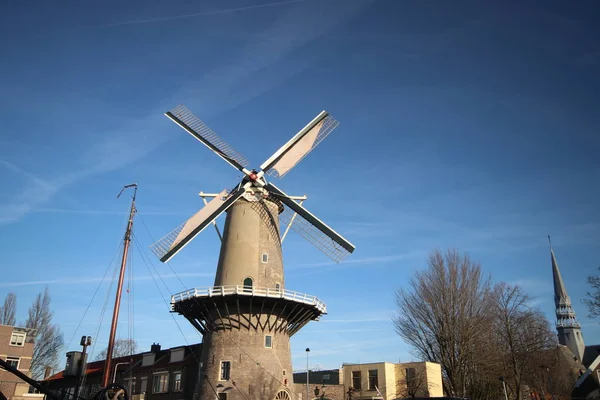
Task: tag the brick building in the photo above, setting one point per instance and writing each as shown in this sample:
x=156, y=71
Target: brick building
x=170, y=374
x=16, y=347
x=385, y=381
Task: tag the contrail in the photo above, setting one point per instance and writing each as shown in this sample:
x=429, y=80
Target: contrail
x=229, y=10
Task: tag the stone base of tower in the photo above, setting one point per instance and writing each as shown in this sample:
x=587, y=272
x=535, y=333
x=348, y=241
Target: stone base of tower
x=254, y=372
x=247, y=330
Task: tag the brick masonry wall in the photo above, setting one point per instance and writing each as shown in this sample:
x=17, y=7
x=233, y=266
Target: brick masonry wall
x=10, y=385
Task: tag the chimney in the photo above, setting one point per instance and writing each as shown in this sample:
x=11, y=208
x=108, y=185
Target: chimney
x=155, y=348
x=47, y=372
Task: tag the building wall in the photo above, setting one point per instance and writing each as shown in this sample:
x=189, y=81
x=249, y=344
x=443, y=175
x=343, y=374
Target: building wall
x=332, y=392
x=383, y=369
x=131, y=375
x=434, y=379
x=392, y=380
x=11, y=386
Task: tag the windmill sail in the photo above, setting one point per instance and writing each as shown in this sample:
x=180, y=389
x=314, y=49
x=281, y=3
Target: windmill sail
x=177, y=239
x=311, y=228
x=291, y=153
x=198, y=129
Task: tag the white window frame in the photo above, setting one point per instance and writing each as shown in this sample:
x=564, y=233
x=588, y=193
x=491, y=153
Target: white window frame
x=271, y=337
x=17, y=359
x=130, y=384
x=264, y=258
x=180, y=389
x=143, y=385
x=16, y=335
x=221, y=371
x=166, y=384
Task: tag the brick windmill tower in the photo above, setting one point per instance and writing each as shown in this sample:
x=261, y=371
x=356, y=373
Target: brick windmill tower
x=248, y=316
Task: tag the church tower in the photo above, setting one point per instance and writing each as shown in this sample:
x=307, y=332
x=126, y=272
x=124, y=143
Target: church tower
x=567, y=326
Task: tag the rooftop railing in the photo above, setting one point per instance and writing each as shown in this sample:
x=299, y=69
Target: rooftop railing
x=214, y=291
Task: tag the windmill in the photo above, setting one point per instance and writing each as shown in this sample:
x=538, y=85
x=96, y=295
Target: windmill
x=248, y=316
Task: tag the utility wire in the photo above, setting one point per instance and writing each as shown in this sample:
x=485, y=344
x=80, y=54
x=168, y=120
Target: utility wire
x=163, y=297
x=94, y=295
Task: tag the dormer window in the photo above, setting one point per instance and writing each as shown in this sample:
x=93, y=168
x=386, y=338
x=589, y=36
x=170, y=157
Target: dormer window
x=177, y=355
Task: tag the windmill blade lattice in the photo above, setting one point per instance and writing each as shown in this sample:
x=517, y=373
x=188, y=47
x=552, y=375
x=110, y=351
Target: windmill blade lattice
x=195, y=127
x=308, y=231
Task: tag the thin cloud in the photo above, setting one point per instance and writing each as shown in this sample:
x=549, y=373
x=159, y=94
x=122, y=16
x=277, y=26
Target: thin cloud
x=70, y=281
x=355, y=320
x=102, y=212
x=225, y=87
x=206, y=13
x=366, y=260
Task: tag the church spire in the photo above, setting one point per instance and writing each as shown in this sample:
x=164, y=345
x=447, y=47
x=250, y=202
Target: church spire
x=561, y=298
x=567, y=326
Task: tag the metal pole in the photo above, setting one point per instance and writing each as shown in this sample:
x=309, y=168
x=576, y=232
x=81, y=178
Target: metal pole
x=115, y=317
x=115, y=372
x=307, y=372
x=504, y=386
x=85, y=342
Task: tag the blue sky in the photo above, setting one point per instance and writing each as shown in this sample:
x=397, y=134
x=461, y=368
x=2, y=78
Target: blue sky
x=462, y=124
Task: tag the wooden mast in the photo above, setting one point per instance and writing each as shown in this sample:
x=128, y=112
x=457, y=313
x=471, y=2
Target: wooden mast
x=115, y=317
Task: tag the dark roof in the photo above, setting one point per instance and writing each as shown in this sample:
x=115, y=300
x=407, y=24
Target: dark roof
x=96, y=367
x=317, y=377
x=590, y=353
x=161, y=360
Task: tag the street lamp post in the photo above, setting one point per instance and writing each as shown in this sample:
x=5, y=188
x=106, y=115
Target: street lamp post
x=115, y=373
x=504, y=387
x=307, y=373
x=85, y=342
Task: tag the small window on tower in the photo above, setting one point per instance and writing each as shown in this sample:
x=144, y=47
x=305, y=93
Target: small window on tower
x=268, y=341
x=265, y=258
x=225, y=370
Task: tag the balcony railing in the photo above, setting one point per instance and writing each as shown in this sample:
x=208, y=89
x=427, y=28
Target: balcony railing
x=215, y=291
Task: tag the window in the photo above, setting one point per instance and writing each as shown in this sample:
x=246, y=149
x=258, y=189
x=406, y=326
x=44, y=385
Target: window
x=277, y=287
x=177, y=382
x=373, y=379
x=17, y=339
x=13, y=362
x=160, y=383
x=225, y=370
x=248, y=285
x=356, y=380
x=411, y=379
x=130, y=384
x=144, y=385
x=268, y=341
x=222, y=396
x=265, y=258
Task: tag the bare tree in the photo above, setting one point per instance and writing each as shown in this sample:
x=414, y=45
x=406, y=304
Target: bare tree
x=48, y=337
x=445, y=315
x=521, y=334
x=593, y=298
x=9, y=310
x=123, y=347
